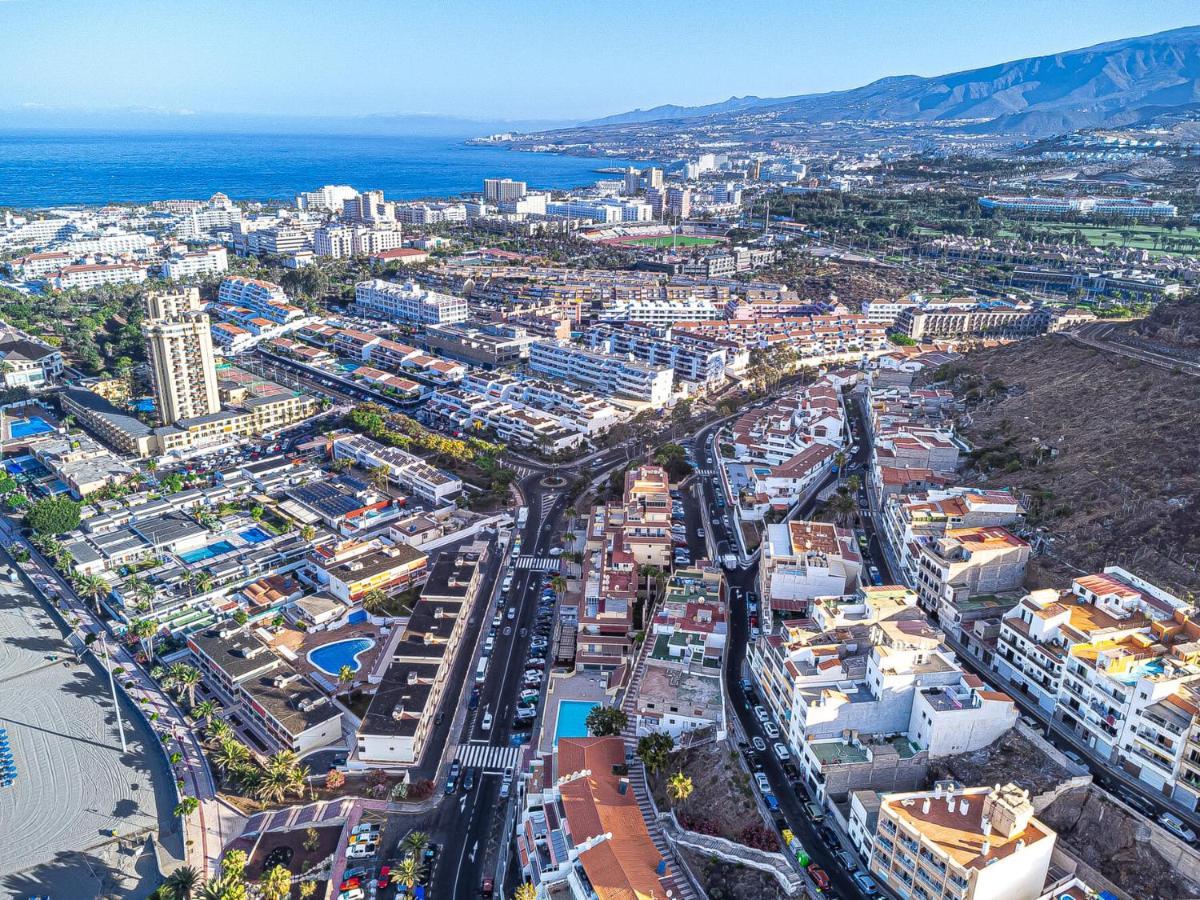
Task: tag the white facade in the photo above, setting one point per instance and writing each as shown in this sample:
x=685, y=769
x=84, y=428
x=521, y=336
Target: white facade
x=331, y=197
x=408, y=302
x=94, y=275
x=610, y=375
x=210, y=261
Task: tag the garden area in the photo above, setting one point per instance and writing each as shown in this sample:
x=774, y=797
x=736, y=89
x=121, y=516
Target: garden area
x=728, y=881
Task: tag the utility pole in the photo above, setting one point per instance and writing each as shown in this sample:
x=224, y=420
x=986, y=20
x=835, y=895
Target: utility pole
x=112, y=685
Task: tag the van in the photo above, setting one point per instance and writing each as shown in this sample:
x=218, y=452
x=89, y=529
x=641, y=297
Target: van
x=481, y=671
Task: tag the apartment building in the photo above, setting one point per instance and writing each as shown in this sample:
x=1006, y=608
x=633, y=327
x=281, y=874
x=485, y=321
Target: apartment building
x=407, y=303
x=579, y=832
x=487, y=345
x=499, y=190
x=801, y=561
x=209, y=261
x=352, y=569
x=1126, y=207
x=774, y=433
x=339, y=241
x=264, y=299
x=179, y=345
x=910, y=520
x=89, y=275
x=610, y=375
x=955, y=843
x=865, y=695
x=404, y=708
x=405, y=469
x=26, y=363
x=973, y=321
x=330, y=198
x=257, y=686
x=661, y=311
x=694, y=362
x=33, y=266
x=965, y=563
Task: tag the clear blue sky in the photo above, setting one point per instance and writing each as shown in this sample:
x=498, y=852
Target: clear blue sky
x=552, y=59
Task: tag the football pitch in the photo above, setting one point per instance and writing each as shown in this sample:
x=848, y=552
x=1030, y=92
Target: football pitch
x=676, y=240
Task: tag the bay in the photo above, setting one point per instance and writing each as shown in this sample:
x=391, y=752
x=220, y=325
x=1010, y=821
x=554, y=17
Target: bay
x=39, y=169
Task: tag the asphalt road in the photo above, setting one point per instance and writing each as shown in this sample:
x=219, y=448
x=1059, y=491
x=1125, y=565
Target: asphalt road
x=790, y=794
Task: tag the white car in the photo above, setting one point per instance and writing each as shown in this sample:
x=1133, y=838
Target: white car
x=782, y=752
x=764, y=784
x=771, y=729
x=1175, y=825
x=761, y=713
x=352, y=894
x=364, y=829
x=487, y=721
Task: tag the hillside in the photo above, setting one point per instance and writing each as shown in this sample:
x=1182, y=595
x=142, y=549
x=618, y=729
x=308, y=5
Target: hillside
x=1114, y=83
x=1102, y=447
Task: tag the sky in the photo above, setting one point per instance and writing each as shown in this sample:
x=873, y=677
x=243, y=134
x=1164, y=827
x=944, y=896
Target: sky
x=514, y=59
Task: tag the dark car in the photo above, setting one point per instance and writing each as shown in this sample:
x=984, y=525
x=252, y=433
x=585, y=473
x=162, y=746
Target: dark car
x=473, y=703
x=469, y=779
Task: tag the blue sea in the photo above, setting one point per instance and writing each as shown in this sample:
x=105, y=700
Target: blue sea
x=58, y=167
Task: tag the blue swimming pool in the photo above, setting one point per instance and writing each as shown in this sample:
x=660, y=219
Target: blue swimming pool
x=572, y=719
x=202, y=553
x=23, y=428
x=255, y=535
x=144, y=404
x=21, y=464
x=332, y=657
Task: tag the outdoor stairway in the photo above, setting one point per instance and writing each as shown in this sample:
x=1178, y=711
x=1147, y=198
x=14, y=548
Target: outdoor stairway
x=676, y=881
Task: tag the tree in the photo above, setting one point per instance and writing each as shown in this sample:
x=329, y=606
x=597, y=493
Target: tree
x=205, y=710
x=380, y=476
x=679, y=787
x=308, y=533
x=230, y=754
x=654, y=750
x=525, y=891
x=558, y=584
x=185, y=807
x=276, y=884
x=407, y=872
x=842, y=505
x=182, y=883
x=307, y=889
x=374, y=600
x=185, y=678
x=312, y=838
x=144, y=630
x=415, y=843
x=342, y=464
x=204, y=582
x=345, y=676
x=53, y=515
x=606, y=720
x=91, y=587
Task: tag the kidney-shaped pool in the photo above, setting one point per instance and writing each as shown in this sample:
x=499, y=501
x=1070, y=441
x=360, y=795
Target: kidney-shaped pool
x=332, y=657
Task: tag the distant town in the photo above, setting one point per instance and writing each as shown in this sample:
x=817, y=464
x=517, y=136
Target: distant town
x=655, y=538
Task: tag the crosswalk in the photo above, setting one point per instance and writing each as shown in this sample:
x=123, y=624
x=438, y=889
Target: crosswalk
x=537, y=563
x=706, y=473
x=548, y=500
x=488, y=757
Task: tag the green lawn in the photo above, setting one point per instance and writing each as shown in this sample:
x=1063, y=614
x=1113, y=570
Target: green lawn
x=678, y=240
x=1140, y=236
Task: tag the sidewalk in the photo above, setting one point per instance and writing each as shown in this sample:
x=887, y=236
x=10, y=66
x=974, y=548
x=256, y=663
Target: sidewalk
x=214, y=823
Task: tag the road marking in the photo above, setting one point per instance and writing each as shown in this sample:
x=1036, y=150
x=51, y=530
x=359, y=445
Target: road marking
x=537, y=563
x=489, y=757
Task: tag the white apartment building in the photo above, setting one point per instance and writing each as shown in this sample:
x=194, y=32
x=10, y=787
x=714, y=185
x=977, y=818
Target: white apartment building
x=612, y=376
x=953, y=843
x=199, y=224
x=885, y=312
x=965, y=563
x=339, y=241
x=119, y=244
x=405, y=469
x=697, y=362
x=528, y=205
x=408, y=302
x=331, y=197
x=21, y=232
x=37, y=265
x=431, y=213
x=661, y=311
x=90, y=275
x=499, y=190
x=179, y=346
x=801, y=561
x=26, y=363
x=209, y=261
x=262, y=299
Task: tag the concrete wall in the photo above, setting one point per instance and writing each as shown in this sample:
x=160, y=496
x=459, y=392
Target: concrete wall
x=774, y=864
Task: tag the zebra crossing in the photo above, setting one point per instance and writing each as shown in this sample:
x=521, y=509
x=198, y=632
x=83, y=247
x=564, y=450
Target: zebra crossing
x=488, y=757
x=548, y=500
x=705, y=473
x=537, y=563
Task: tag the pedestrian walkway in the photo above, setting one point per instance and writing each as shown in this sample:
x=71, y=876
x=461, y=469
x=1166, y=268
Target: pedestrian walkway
x=537, y=563
x=676, y=880
x=488, y=757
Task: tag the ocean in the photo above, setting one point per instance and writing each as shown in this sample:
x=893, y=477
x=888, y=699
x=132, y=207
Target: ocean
x=39, y=169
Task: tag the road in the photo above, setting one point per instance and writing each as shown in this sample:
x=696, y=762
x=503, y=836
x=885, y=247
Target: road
x=741, y=581
x=1098, y=336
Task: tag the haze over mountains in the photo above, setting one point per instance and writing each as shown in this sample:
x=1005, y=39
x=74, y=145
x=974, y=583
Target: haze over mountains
x=1115, y=83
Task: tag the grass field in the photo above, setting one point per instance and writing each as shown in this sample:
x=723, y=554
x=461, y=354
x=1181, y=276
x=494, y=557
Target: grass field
x=677, y=240
x=1137, y=236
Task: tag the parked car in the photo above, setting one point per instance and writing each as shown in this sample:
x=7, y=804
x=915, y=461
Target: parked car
x=847, y=860
x=761, y=714
x=486, y=724
x=771, y=801
x=763, y=784
x=865, y=883
x=1175, y=825
x=782, y=752
x=771, y=729
x=814, y=810
x=819, y=876
x=759, y=744
x=469, y=779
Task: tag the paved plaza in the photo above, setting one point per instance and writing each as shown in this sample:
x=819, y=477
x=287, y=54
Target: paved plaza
x=78, y=819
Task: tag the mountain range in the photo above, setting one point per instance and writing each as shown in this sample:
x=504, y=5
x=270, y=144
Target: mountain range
x=1115, y=83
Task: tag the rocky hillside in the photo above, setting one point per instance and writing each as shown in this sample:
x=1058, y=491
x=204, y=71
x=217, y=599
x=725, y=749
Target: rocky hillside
x=1103, y=449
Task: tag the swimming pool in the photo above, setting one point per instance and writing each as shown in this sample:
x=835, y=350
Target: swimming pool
x=255, y=535
x=332, y=657
x=22, y=428
x=144, y=404
x=22, y=464
x=572, y=719
x=202, y=553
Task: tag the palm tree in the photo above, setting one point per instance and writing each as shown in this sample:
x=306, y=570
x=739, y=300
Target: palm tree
x=230, y=754
x=144, y=631
x=407, y=872
x=215, y=890
x=679, y=787
x=415, y=843
x=182, y=883
x=185, y=807
x=91, y=587
x=525, y=891
x=308, y=533
x=558, y=584
x=205, y=710
x=218, y=730
x=272, y=787
x=380, y=476
x=374, y=600
x=185, y=678
x=204, y=582
x=345, y=675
